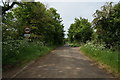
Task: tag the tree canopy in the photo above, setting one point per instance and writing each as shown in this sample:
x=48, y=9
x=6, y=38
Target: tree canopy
x=106, y=23
x=46, y=24
x=80, y=31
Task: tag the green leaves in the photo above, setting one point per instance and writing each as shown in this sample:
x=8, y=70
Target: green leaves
x=42, y=21
x=80, y=31
x=106, y=23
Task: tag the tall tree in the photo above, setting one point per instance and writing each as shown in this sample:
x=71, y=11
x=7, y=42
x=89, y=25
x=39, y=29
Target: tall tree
x=45, y=23
x=106, y=23
x=80, y=30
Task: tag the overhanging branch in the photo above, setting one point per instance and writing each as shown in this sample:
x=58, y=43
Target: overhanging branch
x=6, y=8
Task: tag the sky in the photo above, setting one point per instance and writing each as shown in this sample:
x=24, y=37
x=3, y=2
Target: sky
x=71, y=10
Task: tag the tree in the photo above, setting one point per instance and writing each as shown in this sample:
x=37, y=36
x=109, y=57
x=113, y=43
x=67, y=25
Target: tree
x=57, y=31
x=106, y=23
x=45, y=23
x=80, y=30
x=7, y=5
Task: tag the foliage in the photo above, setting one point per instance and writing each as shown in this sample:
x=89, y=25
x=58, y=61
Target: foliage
x=8, y=5
x=45, y=23
x=80, y=31
x=106, y=23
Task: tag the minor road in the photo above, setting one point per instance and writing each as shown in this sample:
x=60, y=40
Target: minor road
x=63, y=62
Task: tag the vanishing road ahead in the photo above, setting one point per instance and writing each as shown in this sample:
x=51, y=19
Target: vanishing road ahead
x=63, y=62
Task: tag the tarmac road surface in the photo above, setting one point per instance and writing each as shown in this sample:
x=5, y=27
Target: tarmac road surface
x=63, y=62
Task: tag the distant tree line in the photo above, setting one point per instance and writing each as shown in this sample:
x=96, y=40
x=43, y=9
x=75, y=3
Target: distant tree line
x=104, y=29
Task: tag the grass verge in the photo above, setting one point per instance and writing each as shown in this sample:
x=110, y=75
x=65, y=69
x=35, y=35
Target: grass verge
x=106, y=57
x=25, y=54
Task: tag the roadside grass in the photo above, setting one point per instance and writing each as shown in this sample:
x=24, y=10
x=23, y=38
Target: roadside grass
x=26, y=53
x=73, y=44
x=106, y=57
